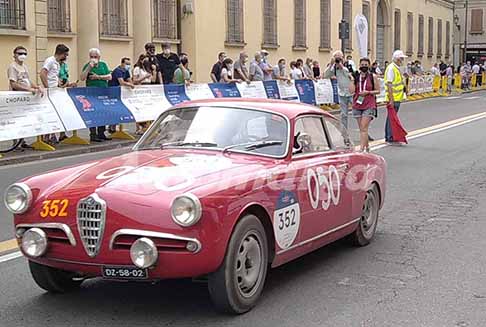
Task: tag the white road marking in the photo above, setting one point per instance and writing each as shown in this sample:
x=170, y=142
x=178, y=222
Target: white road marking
x=10, y=256
x=472, y=98
x=452, y=98
x=381, y=146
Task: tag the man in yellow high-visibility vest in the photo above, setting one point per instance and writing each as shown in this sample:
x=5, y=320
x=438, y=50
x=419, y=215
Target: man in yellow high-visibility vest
x=395, y=88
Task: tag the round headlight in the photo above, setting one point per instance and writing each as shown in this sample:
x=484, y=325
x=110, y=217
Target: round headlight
x=143, y=253
x=34, y=242
x=186, y=210
x=18, y=198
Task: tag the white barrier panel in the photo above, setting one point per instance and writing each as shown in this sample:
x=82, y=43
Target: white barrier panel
x=323, y=90
x=381, y=97
x=145, y=102
x=288, y=91
x=254, y=90
x=23, y=114
x=199, y=92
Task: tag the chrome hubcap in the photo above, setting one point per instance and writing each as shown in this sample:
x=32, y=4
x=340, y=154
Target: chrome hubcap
x=249, y=265
x=370, y=215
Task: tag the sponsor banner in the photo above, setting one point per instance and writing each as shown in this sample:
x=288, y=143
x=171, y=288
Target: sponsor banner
x=175, y=93
x=271, y=88
x=254, y=90
x=307, y=94
x=23, y=114
x=199, y=92
x=66, y=109
x=100, y=106
x=288, y=91
x=324, y=92
x=145, y=102
x=223, y=90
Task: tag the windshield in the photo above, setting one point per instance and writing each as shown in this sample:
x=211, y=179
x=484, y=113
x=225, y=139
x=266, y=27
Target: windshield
x=221, y=128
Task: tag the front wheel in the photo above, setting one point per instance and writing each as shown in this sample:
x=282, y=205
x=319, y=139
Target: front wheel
x=369, y=219
x=236, y=286
x=53, y=280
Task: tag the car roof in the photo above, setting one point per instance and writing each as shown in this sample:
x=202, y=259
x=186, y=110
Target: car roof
x=286, y=108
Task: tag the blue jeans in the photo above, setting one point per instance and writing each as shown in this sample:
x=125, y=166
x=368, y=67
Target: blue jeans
x=345, y=102
x=388, y=131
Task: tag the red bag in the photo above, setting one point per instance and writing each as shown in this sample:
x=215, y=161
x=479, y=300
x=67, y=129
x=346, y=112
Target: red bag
x=399, y=134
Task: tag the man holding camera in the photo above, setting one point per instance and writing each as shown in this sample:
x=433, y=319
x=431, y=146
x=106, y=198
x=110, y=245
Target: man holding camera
x=337, y=71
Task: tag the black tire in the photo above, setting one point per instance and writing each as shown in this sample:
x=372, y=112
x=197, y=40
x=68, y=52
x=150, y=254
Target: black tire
x=53, y=280
x=365, y=232
x=7, y=146
x=230, y=292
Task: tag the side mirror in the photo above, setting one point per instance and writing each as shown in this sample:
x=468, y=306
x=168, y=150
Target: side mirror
x=302, y=142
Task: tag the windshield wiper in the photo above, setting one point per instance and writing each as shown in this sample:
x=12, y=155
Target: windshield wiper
x=253, y=145
x=182, y=143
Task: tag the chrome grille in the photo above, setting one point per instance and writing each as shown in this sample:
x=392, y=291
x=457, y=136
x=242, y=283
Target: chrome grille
x=91, y=213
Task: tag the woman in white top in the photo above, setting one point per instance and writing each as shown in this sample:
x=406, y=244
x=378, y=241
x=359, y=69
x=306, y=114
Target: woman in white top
x=144, y=73
x=227, y=72
x=295, y=72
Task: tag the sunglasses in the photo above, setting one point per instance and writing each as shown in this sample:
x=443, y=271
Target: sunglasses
x=21, y=53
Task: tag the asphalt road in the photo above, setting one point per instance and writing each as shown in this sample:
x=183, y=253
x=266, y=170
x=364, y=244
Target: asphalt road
x=426, y=266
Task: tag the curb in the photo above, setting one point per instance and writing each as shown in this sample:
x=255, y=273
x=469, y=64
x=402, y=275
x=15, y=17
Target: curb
x=35, y=156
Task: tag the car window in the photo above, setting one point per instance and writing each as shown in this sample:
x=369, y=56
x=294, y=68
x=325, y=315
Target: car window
x=219, y=128
x=314, y=128
x=339, y=136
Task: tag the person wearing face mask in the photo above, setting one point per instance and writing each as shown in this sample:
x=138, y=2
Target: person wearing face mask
x=96, y=74
x=168, y=62
x=241, y=69
x=19, y=79
x=265, y=66
x=279, y=71
x=366, y=87
x=227, y=72
x=183, y=76
x=18, y=74
x=49, y=73
x=395, y=89
x=256, y=72
x=120, y=76
x=50, y=78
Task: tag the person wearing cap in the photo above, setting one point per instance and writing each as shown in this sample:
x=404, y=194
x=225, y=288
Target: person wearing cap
x=169, y=62
x=395, y=88
x=265, y=66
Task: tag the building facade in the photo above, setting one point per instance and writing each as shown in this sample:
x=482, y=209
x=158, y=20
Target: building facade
x=470, y=37
x=201, y=28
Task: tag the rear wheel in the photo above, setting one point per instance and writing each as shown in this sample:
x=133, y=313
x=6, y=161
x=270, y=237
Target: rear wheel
x=369, y=219
x=53, y=280
x=236, y=286
x=9, y=145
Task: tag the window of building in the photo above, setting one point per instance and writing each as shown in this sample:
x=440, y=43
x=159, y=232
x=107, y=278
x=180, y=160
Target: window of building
x=347, y=16
x=58, y=16
x=398, y=29
x=12, y=14
x=410, y=34
x=420, y=51
x=367, y=14
x=270, y=22
x=476, y=20
x=234, y=21
x=165, y=16
x=300, y=37
x=430, y=52
x=325, y=24
x=448, y=40
x=114, y=21
x=439, y=37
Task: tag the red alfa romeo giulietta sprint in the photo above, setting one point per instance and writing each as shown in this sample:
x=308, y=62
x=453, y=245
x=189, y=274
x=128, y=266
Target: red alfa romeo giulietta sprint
x=216, y=189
